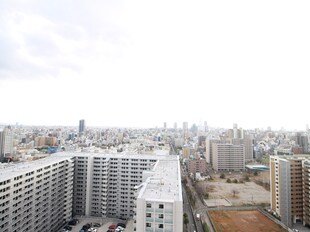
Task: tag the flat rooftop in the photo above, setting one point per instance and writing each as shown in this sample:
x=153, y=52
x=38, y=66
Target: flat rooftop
x=164, y=184
x=124, y=155
x=10, y=170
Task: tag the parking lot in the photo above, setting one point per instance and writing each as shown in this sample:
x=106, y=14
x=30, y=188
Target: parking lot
x=104, y=222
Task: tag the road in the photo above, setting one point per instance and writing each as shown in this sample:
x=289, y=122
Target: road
x=188, y=210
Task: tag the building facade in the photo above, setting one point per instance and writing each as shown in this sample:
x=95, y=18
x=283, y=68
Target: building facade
x=36, y=196
x=6, y=143
x=159, y=204
x=228, y=157
x=43, y=194
x=286, y=188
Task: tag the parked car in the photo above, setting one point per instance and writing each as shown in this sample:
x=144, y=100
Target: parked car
x=112, y=227
x=73, y=222
x=68, y=228
x=121, y=224
x=96, y=224
x=119, y=229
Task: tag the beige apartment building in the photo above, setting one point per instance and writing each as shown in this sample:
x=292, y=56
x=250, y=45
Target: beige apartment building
x=227, y=157
x=287, y=188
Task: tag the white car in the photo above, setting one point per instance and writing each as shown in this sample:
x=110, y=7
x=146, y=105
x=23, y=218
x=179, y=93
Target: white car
x=119, y=228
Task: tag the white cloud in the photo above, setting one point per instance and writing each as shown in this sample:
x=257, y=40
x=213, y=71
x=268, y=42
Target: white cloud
x=139, y=63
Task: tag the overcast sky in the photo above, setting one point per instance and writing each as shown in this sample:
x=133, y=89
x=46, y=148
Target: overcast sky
x=142, y=63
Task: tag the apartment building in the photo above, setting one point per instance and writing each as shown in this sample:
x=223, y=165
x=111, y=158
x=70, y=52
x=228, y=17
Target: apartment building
x=36, y=196
x=43, y=194
x=196, y=165
x=306, y=191
x=228, y=157
x=286, y=188
x=104, y=184
x=159, y=202
x=209, y=153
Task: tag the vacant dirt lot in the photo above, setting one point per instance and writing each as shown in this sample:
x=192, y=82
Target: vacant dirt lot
x=243, y=221
x=246, y=193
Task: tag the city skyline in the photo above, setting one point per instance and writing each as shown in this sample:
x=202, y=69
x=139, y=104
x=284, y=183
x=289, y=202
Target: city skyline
x=140, y=64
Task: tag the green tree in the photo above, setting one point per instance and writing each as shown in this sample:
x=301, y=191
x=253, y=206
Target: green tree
x=205, y=227
x=235, y=181
x=228, y=180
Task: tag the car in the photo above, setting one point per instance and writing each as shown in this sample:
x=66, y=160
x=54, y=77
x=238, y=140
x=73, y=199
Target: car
x=68, y=228
x=73, y=222
x=109, y=230
x=121, y=224
x=96, y=224
x=112, y=227
x=119, y=229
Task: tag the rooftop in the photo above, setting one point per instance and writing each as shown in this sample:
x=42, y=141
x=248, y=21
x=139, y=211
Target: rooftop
x=164, y=184
x=9, y=170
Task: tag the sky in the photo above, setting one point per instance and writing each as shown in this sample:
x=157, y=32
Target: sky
x=143, y=63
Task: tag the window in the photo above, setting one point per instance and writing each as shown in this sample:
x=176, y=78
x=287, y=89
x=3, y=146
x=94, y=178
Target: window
x=161, y=226
x=161, y=206
x=148, y=215
x=148, y=224
x=160, y=216
x=148, y=205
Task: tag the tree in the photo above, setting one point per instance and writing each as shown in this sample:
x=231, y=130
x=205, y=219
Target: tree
x=222, y=176
x=235, y=181
x=228, y=180
x=185, y=219
x=205, y=227
x=234, y=192
x=247, y=178
x=255, y=173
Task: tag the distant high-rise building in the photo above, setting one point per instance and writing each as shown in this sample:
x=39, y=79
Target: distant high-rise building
x=185, y=130
x=206, y=128
x=175, y=126
x=307, y=127
x=6, y=142
x=82, y=126
x=302, y=141
x=165, y=125
x=235, y=133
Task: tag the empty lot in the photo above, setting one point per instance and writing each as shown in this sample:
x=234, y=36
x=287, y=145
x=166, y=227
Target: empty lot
x=243, y=221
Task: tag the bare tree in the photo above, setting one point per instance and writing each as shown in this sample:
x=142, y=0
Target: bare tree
x=234, y=192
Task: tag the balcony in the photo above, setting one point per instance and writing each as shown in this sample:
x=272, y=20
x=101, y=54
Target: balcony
x=159, y=220
x=169, y=211
x=149, y=229
x=149, y=219
x=149, y=210
x=159, y=230
x=168, y=221
x=159, y=210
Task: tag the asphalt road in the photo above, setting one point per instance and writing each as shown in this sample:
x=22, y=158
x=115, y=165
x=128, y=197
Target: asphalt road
x=187, y=209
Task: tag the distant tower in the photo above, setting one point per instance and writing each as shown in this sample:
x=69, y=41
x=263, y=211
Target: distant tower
x=185, y=130
x=82, y=126
x=307, y=127
x=206, y=129
x=165, y=125
x=175, y=126
x=6, y=142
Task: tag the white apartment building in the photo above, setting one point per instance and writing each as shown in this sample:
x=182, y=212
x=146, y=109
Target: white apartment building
x=36, y=196
x=228, y=157
x=159, y=202
x=104, y=184
x=43, y=194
